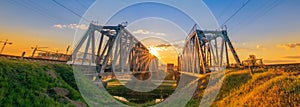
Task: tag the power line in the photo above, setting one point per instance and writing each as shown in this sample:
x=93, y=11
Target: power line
x=268, y=8
x=37, y=8
x=274, y=4
x=257, y=11
x=235, y=13
x=70, y=10
x=226, y=8
x=33, y=3
x=82, y=5
x=33, y=9
x=249, y=17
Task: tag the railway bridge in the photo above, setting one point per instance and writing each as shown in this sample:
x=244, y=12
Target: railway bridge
x=117, y=53
x=107, y=52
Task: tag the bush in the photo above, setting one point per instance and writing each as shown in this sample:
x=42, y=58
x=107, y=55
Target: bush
x=24, y=83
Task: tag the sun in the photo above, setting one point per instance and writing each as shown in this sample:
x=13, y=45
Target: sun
x=153, y=51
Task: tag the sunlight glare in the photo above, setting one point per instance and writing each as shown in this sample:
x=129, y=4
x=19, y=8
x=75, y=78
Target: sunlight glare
x=153, y=51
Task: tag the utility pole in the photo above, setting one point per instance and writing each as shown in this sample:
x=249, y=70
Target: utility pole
x=67, y=49
x=35, y=49
x=4, y=44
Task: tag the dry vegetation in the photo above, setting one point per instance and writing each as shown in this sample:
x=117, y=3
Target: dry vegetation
x=24, y=83
x=273, y=87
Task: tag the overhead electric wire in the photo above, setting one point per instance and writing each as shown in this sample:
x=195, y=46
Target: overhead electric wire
x=36, y=6
x=247, y=17
x=236, y=12
x=271, y=7
x=70, y=10
x=225, y=9
x=81, y=4
x=268, y=7
x=34, y=9
x=43, y=9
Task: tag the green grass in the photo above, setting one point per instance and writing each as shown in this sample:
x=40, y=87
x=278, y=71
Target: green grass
x=231, y=82
x=264, y=88
x=24, y=83
x=279, y=91
x=31, y=84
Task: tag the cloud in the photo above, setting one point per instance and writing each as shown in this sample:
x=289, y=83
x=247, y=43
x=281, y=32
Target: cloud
x=289, y=46
x=179, y=42
x=164, y=45
x=167, y=47
x=240, y=49
x=71, y=26
x=292, y=57
x=146, y=32
x=58, y=26
x=278, y=61
x=258, y=46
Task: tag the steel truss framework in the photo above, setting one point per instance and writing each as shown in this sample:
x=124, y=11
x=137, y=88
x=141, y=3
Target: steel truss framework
x=121, y=52
x=204, y=51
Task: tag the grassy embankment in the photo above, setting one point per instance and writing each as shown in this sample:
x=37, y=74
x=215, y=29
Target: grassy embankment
x=24, y=83
x=279, y=87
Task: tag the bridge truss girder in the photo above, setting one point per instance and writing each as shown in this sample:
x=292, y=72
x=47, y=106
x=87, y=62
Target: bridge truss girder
x=205, y=50
x=121, y=52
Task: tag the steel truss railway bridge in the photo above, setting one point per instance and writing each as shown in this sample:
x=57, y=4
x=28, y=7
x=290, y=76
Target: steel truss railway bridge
x=111, y=50
x=206, y=50
x=118, y=51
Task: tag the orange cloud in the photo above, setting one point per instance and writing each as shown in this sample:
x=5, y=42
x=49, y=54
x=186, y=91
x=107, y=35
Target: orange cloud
x=289, y=46
x=292, y=57
x=279, y=61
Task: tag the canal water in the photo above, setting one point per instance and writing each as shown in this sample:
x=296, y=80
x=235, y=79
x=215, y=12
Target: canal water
x=115, y=88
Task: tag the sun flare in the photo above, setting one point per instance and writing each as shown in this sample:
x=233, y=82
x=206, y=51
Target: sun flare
x=153, y=51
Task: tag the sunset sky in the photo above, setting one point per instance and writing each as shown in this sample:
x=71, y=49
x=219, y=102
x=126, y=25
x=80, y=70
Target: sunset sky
x=268, y=29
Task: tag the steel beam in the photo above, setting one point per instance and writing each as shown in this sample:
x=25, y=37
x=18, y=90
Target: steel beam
x=210, y=46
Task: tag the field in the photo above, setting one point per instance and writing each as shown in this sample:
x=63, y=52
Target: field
x=24, y=83
x=37, y=84
x=264, y=88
